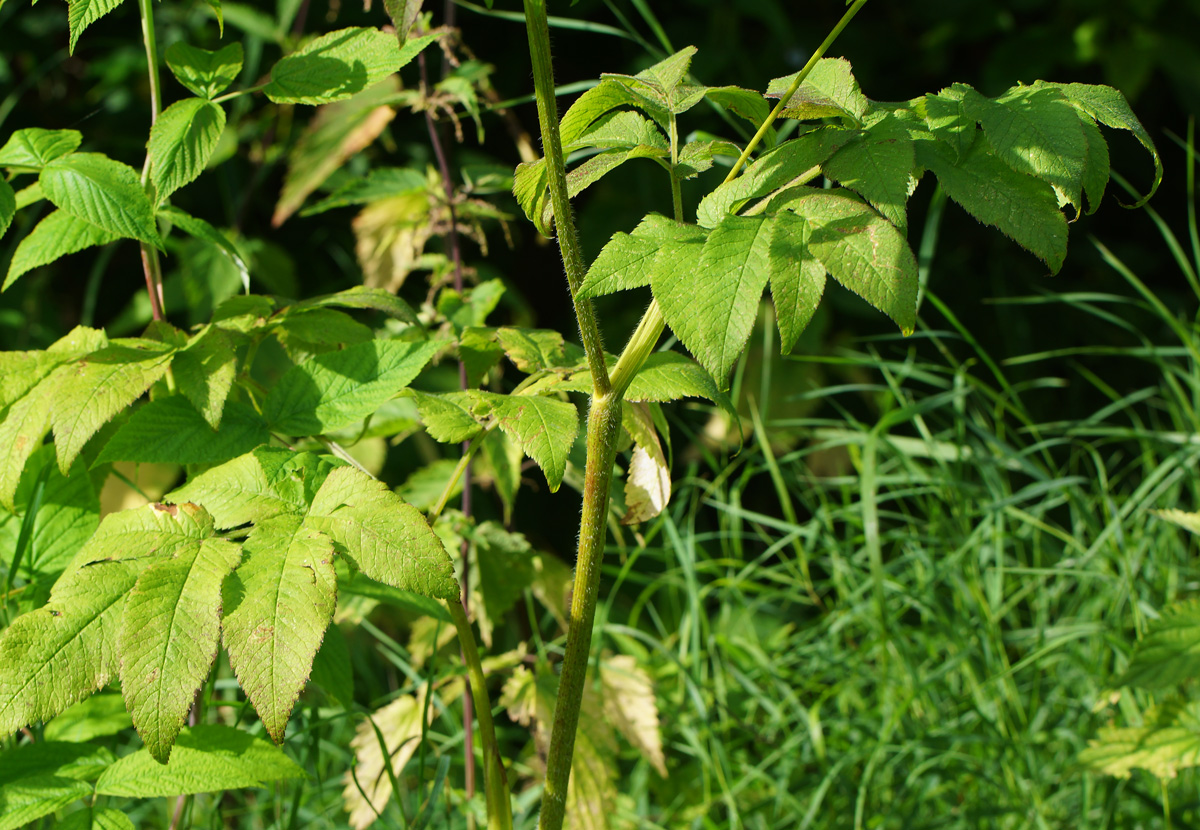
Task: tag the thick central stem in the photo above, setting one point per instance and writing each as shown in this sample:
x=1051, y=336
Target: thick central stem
x=604, y=422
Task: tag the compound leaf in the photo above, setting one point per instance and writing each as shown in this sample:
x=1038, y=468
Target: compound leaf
x=862, y=250
x=1035, y=131
x=793, y=162
x=627, y=261
x=880, y=167
x=712, y=307
x=171, y=629
x=1021, y=207
x=106, y=193
x=278, y=604
x=387, y=539
x=336, y=389
x=544, y=427
x=29, y=798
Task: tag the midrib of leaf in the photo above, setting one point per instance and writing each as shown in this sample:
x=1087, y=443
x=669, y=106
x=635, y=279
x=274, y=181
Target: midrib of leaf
x=118, y=597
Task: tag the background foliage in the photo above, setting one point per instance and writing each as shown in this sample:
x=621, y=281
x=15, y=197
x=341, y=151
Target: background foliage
x=905, y=600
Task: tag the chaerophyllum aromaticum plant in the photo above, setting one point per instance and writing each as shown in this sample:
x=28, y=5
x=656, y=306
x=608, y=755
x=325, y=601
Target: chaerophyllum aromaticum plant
x=276, y=518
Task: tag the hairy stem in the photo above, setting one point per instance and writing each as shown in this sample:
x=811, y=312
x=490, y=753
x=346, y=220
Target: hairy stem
x=495, y=783
x=605, y=416
x=564, y=219
x=150, y=264
x=604, y=423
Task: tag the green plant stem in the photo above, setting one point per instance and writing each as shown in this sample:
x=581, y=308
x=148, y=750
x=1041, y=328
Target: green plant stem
x=605, y=416
x=150, y=264
x=604, y=423
x=564, y=219
x=464, y=461
x=495, y=784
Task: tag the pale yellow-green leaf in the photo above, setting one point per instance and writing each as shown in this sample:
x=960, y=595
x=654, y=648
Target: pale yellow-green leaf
x=400, y=724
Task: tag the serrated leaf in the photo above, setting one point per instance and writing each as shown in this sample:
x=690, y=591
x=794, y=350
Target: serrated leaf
x=1169, y=652
x=670, y=71
x=628, y=259
x=204, y=372
x=96, y=818
x=336, y=389
x=33, y=148
x=181, y=142
x=793, y=162
x=830, y=90
x=26, y=196
x=531, y=184
x=387, y=539
x=622, y=130
x=338, y=65
x=170, y=631
x=1109, y=107
x=278, y=604
x=368, y=786
x=746, y=103
x=1035, y=131
x=57, y=235
x=318, y=330
x=947, y=119
x=94, y=389
x=1021, y=207
x=61, y=653
x=880, y=167
x=797, y=277
x=337, y=132
x=104, y=192
x=422, y=606
x=504, y=569
x=363, y=297
x=861, y=250
x=53, y=757
x=544, y=427
x=207, y=758
x=591, y=105
x=531, y=350
x=27, y=419
x=247, y=489
x=171, y=431
x=629, y=705
x=205, y=73
x=83, y=13
x=447, y=417
x=403, y=14
x=712, y=307
x=1168, y=743
x=8, y=206
x=1097, y=168
x=27, y=799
